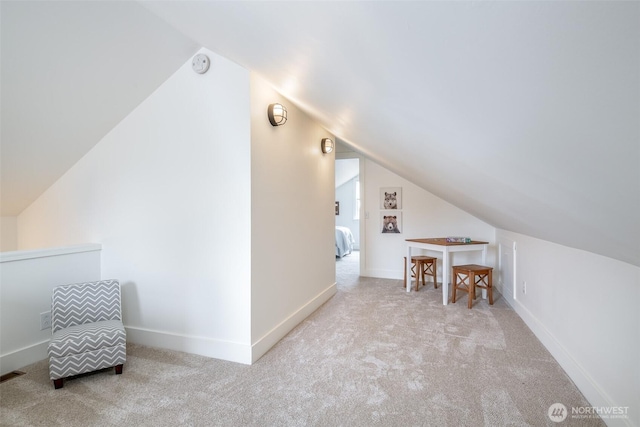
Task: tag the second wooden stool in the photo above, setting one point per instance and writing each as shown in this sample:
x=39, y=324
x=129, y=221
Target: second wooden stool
x=471, y=276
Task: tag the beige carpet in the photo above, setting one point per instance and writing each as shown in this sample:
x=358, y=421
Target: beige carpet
x=372, y=355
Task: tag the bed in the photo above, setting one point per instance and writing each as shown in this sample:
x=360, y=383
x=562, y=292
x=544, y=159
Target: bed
x=344, y=241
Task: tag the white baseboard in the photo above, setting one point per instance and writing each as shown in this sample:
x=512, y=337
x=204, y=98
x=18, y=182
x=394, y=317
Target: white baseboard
x=391, y=274
x=217, y=349
x=384, y=274
x=581, y=378
x=25, y=356
x=261, y=346
x=234, y=352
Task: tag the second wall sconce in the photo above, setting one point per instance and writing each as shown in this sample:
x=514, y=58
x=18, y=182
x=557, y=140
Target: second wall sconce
x=277, y=114
x=327, y=145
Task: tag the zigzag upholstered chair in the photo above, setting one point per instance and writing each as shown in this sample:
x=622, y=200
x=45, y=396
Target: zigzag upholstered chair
x=87, y=329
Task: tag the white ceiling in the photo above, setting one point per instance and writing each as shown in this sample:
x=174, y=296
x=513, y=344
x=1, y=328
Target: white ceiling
x=525, y=114
x=70, y=72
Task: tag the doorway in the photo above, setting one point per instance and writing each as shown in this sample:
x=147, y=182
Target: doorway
x=348, y=197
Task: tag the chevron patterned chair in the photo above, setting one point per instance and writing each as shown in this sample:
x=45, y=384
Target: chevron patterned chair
x=87, y=330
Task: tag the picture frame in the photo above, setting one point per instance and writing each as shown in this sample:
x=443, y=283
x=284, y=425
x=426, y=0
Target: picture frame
x=391, y=198
x=391, y=222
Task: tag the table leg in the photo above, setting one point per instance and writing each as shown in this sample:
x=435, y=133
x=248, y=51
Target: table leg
x=408, y=268
x=445, y=277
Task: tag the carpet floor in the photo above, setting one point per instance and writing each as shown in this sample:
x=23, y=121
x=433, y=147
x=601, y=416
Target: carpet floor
x=372, y=355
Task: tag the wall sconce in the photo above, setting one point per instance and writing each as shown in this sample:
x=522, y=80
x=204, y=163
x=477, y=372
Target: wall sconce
x=277, y=114
x=327, y=145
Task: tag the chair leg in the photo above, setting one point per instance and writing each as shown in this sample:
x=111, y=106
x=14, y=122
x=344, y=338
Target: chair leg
x=423, y=273
x=426, y=271
x=435, y=276
x=405, y=272
x=472, y=289
x=474, y=286
x=57, y=383
x=490, y=288
x=118, y=369
x=455, y=285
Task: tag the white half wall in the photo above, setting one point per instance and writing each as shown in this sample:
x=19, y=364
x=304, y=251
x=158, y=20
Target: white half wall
x=292, y=221
x=167, y=194
x=584, y=308
x=27, y=279
x=423, y=215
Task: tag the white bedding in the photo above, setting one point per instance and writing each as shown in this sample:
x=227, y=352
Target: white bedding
x=344, y=241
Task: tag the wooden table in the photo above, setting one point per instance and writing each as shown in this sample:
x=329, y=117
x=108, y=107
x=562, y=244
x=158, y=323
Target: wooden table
x=440, y=244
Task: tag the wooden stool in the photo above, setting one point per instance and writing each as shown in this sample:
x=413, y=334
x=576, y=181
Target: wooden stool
x=471, y=276
x=425, y=266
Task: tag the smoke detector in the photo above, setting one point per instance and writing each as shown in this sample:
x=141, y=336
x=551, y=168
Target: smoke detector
x=200, y=63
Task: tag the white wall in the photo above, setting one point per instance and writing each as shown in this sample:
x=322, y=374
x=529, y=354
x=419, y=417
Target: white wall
x=345, y=194
x=423, y=215
x=584, y=309
x=8, y=233
x=28, y=278
x=167, y=193
x=292, y=221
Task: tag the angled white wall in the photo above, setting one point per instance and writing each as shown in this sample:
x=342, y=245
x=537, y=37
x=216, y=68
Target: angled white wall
x=292, y=219
x=167, y=194
x=583, y=308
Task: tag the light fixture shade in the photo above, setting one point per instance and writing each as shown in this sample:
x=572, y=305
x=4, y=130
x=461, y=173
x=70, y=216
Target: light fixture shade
x=327, y=145
x=277, y=114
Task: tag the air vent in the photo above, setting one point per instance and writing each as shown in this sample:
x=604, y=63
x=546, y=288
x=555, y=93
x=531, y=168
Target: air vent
x=11, y=375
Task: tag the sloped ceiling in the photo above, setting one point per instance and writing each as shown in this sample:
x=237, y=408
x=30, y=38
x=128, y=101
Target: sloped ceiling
x=70, y=72
x=525, y=114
